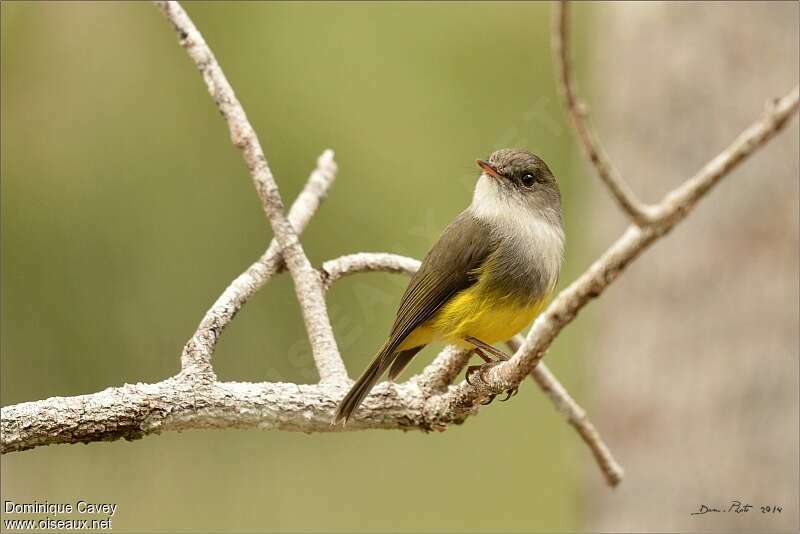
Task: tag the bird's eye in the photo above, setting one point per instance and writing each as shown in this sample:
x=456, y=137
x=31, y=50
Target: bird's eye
x=528, y=180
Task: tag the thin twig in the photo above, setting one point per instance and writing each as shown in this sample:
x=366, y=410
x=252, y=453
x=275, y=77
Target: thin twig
x=306, y=282
x=333, y=270
x=196, y=357
x=624, y=195
x=576, y=416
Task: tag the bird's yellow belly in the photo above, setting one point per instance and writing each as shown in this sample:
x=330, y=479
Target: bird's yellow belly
x=477, y=313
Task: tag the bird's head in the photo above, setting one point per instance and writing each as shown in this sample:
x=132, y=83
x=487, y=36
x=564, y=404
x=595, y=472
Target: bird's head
x=513, y=179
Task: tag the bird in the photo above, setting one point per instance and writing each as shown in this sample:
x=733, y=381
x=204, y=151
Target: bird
x=490, y=273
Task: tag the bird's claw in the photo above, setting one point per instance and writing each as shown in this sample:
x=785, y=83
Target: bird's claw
x=470, y=369
x=489, y=399
x=482, y=369
x=510, y=393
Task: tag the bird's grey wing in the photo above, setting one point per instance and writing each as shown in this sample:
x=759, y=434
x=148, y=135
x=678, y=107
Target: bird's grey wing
x=449, y=267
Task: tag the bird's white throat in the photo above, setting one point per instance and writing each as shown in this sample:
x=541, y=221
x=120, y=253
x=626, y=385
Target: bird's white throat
x=533, y=236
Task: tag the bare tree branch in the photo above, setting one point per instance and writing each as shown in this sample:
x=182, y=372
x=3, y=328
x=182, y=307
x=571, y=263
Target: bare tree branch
x=133, y=411
x=625, y=197
x=196, y=357
x=307, y=285
x=576, y=416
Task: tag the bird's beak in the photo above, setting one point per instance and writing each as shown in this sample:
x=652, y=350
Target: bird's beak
x=489, y=169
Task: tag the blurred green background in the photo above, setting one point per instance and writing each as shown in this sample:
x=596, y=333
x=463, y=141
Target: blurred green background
x=126, y=211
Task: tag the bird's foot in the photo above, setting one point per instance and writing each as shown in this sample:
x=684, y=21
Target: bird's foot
x=481, y=370
x=510, y=393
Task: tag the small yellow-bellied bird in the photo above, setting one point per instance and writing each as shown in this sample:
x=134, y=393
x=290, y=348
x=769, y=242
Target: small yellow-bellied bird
x=486, y=278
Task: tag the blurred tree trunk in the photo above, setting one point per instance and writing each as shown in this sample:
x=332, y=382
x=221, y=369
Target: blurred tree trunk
x=695, y=366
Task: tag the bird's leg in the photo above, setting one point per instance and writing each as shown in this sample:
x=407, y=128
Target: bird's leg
x=489, y=363
x=488, y=348
x=480, y=346
x=482, y=354
x=471, y=368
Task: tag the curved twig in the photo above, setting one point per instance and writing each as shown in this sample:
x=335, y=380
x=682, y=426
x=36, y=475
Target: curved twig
x=333, y=270
x=619, y=188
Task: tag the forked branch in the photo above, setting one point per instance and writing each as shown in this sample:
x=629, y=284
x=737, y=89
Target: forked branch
x=306, y=283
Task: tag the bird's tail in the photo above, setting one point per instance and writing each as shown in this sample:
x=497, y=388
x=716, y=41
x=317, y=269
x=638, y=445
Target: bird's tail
x=365, y=383
x=401, y=361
